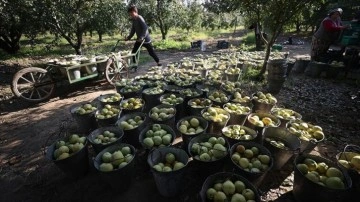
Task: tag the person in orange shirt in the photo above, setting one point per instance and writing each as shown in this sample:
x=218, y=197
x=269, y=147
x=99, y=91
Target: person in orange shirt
x=328, y=32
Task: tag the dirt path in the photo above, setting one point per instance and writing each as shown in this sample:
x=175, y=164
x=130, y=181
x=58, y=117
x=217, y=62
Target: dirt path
x=26, y=130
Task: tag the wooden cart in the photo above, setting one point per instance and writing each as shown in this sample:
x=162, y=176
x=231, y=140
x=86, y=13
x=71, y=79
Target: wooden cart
x=36, y=84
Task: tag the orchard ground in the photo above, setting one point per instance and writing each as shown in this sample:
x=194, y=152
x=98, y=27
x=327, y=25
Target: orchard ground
x=28, y=129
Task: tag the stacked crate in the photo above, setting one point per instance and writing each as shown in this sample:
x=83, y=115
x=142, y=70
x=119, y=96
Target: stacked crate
x=351, y=36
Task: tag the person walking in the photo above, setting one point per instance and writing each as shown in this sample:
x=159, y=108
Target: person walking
x=140, y=28
x=327, y=34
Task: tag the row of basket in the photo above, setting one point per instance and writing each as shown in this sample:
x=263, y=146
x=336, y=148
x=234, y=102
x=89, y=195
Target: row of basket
x=133, y=137
x=171, y=183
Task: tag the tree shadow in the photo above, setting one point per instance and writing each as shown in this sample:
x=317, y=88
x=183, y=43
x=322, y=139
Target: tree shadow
x=287, y=197
x=13, y=103
x=276, y=178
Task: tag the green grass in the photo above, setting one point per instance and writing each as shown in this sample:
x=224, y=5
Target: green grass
x=248, y=42
x=171, y=44
x=177, y=39
x=180, y=39
x=250, y=82
x=145, y=57
x=250, y=73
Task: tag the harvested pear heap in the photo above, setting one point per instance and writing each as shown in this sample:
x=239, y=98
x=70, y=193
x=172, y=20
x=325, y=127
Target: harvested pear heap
x=230, y=190
x=191, y=126
x=107, y=112
x=157, y=136
x=65, y=149
x=267, y=98
x=261, y=122
x=251, y=159
x=131, y=123
x=169, y=164
x=116, y=160
x=106, y=137
x=216, y=114
x=322, y=174
x=306, y=131
x=350, y=160
x=237, y=132
x=111, y=98
x=86, y=109
x=211, y=150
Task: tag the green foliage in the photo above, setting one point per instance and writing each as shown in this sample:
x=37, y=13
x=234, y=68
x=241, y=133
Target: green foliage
x=169, y=44
x=273, y=15
x=248, y=42
x=17, y=17
x=250, y=72
x=145, y=57
x=162, y=14
x=191, y=16
x=220, y=6
x=250, y=81
x=107, y=16
x=178, y=40
x=68, y=19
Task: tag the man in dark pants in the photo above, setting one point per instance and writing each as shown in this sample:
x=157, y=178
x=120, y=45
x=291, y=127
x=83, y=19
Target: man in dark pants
x=142, y=32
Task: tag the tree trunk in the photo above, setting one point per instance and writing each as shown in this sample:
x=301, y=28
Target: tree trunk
x=10, y=44
x=298, y=27
x=235, y=26
x=162, y=29
x=163, y=34
x=79, y=42
x=267, y=55
x=269, y=45
x=258, y=38
x=312, y=29
x=100, y=36
x=258, y=41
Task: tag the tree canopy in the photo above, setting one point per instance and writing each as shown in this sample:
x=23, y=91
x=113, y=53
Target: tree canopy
x=269, y=15
x=71, y=19
x=17, y=17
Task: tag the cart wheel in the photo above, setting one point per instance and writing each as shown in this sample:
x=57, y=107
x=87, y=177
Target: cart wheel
x=32, y=84
x=115, y=71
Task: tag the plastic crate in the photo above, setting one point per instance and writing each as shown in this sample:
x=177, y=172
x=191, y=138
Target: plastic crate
x=277, y=47
x=196, y=44
x=355, y=26
x=222, y=44
x=349, y=40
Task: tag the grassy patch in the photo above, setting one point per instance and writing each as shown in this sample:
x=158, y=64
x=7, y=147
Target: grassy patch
x=171, y=44
x=248, y=42
x=177, y=39
x=250, y=79
x=251, y=72
x=145, y=57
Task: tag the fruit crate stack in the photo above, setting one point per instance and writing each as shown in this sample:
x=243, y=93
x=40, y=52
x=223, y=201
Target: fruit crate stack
x=351, y=36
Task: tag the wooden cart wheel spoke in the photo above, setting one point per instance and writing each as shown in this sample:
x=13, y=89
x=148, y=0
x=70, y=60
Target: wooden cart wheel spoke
x=43, y=89
x=115, y=71
x=32, y=84
x=25, y=85
x=38, y=92
x=23, y=78
x=35, y=93
x=32, y=77
x=40, y=77
x=26, y=91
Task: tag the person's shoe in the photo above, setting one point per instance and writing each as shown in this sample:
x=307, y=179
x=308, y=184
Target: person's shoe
x=159, y=64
